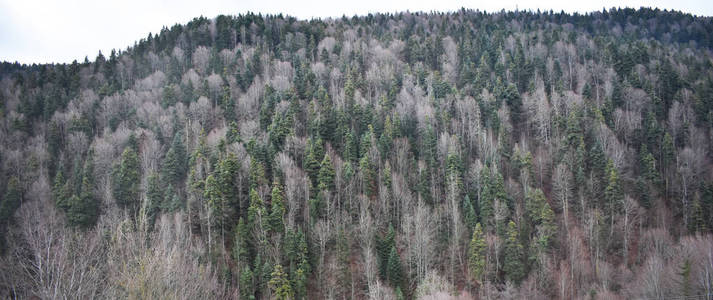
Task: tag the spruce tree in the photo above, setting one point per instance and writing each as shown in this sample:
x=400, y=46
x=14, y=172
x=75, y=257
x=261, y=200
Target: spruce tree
x=513, y=263
x=247, y=289
x=326, y=174
x=83, y=209
x=277, y=211
x=393, y=268
x=175, y=162
x=280, y=285
x=476, y=253
x=11, y=200
x=154, y=199
x=126, y=180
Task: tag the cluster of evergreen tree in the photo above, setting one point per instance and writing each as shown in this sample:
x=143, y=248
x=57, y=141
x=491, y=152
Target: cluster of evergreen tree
x=301, y=155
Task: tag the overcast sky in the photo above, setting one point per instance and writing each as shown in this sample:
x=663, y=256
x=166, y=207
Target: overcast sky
x=42, y=31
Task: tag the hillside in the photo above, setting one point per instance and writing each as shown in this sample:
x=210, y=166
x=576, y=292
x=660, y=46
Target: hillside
x=502, y=155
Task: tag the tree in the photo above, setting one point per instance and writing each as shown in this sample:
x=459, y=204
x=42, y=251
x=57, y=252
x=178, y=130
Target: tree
x=175, y=163
x=393, y=269
x=126, y=180
x=513, y=261
x=247, y=289
x=476, y=253
x=613, y=194
x=154, y=199
x=11, y=200
x=277, y=211
x=326, y=174
x=83, y=209
x=61, y=191
x=280, y=285
x=257, y=218
x=383, y=248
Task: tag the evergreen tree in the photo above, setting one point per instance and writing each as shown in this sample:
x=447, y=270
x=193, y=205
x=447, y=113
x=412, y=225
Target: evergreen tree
x=257, y=217
x=126, y=180
x=326, y=174
x=154, y=197
x=424, y=186
x=513, y=263
x=383, y=248
x=83, y=209
x=311, y=162
x=486, y=197
x=247, y=289
x=241, y=245
x=393, y=269
x=11, y=200
x=613, y=194
x=476, y=253
x=277, y=210
x=175, y=162
x=469, y=214
x=280, y=285
x=61, y=191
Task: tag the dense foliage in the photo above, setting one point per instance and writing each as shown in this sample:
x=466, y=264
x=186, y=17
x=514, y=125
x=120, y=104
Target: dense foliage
x=390, y=156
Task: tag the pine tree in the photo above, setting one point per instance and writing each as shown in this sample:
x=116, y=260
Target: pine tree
x=368, y=172
x=513, y=264
x=215, y=200
x=154, y=197
x=393, y=269
x=83, y=209
x=311, y=162
x=344, y=272
x=280, y=285
x=469, y=215
x=257, y=217
x=476, y=253
x=648, y=166
x=247, y=289
x=612, y=193
x=486, y=197
x=383, y=248
x=126, y=180
x=61, y=191
x=11, y=200
x=277, y=211
x=241, y=243
x=175, y=162
x=326, y=174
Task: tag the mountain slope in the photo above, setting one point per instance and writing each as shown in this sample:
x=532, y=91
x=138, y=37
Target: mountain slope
x=480, y=155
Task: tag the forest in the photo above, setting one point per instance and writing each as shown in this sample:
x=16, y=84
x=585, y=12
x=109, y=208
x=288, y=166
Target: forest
x=412, y=155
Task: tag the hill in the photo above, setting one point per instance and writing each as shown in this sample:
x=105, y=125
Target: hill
x=483, y=155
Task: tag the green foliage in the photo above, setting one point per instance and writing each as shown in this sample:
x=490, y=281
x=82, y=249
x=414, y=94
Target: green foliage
x=326, y=174
x=613, y=194
x=542, y=218
x=393, y=269
x=61, y=191
x=513, y=263
x=247, y=288
x=277, y=212
x=126, y=180
x=154, y=198
x=83, y=209
x=476, y=253
x=257, y=215
x=175, y=162
x=384, y=244
x=280, y=285
x=11, y=200
x=311, y=163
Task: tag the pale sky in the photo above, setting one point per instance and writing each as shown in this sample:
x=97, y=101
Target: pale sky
x=42, y=31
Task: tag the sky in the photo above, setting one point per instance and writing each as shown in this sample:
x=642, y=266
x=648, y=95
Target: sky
x=46, y=31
